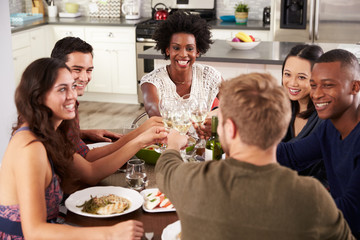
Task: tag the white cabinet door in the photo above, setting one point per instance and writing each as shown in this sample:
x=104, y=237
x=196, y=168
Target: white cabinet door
x=114, y=59
x=21, y=50
x=114, y=69
x=38, y=44
x=60, y=32
x=21, y=59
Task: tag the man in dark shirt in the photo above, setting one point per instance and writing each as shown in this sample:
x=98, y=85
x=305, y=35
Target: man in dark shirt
x=335, y=86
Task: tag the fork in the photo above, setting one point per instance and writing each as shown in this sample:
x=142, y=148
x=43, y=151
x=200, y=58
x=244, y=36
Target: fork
x=149, y=235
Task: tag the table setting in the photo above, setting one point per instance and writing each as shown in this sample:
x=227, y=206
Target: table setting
x=135, y=183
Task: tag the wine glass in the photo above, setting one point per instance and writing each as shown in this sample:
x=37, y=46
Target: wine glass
x=181, y=121
x=199, y=111
x=166, y=108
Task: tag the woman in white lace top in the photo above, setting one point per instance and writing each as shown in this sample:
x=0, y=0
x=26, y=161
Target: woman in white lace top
x=181, y=38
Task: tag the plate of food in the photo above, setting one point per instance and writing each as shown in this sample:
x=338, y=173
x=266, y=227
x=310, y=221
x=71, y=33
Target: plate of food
x=155, y=201
x=104, y=202
x=172, y=231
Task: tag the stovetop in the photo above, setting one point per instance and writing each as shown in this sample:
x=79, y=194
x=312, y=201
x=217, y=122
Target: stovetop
x=147, y=28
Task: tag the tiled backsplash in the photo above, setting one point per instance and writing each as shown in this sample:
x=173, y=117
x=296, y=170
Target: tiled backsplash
x=223, y=7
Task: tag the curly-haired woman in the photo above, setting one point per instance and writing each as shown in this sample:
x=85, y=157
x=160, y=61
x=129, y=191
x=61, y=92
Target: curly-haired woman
x=181, y=38
x=40, y=158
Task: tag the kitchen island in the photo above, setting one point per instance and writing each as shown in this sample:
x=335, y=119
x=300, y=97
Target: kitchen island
x=268, y=56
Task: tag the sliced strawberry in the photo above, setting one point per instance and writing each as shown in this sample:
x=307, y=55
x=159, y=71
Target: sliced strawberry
x=252, y=38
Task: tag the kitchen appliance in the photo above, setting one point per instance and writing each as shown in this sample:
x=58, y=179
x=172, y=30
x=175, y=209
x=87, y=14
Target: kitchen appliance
x=131, y=9
x=145, y=30
x=160, y=13
x=266, y=15
x=317, y=21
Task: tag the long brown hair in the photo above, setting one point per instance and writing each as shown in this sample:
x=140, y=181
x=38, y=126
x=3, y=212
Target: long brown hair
x=36, y=81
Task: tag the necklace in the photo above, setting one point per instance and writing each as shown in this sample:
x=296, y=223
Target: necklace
x=168, y=69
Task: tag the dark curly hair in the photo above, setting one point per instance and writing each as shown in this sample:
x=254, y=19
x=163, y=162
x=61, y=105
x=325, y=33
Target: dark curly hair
x=310, y=53
x=36, y=81
x=183, y=22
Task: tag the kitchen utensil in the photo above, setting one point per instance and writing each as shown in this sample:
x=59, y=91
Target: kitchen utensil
x=161, y=13
x=131, y=9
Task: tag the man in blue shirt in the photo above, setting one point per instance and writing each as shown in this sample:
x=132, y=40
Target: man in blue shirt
x=335, y=86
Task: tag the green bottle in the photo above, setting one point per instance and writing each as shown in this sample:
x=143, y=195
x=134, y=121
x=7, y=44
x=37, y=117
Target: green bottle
x=213, y=150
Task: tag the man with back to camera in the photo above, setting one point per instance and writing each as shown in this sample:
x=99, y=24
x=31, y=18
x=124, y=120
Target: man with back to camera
x=248, y=195
x=335, y=86
x=78, y=56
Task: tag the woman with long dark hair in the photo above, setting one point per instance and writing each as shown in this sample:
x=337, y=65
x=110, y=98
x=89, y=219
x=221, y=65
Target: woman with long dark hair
x=40, y=159
x=296, y=74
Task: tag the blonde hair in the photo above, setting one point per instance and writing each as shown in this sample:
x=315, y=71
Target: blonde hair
x=258, y=106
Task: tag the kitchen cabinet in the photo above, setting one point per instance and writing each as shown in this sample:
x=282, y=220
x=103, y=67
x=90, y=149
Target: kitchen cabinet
x=28, y=46
x=224, y=34
x=114, y=59
x=62, y=31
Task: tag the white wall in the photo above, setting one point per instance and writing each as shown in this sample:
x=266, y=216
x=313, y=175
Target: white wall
x=8, y=110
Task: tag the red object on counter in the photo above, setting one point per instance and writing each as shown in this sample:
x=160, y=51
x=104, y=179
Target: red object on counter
x=161, y=13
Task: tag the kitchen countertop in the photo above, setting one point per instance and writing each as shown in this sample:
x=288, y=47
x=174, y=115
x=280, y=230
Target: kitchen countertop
x=88, y=21
x=267, y=52
x=122, y=22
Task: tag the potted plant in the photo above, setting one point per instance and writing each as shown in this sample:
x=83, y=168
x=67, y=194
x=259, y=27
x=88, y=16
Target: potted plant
x=241, y=13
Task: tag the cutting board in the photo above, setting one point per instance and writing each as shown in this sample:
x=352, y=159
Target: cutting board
x=38, y=7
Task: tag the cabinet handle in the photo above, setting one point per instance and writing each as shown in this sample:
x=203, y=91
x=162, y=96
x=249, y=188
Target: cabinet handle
x=110, y=35
x=33, y=38
x=69, y=34
x=14, y=59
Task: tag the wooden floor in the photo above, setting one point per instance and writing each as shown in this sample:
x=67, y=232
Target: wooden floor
x=99, y=115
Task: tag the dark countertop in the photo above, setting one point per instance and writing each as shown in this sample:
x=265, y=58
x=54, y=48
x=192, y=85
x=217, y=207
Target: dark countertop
x=267, y=52
x=122, y=22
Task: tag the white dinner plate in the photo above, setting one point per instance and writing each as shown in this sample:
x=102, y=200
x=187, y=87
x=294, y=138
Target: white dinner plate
x=171, y=231
x=144, y=193
x=99, y=144
x=79, y=197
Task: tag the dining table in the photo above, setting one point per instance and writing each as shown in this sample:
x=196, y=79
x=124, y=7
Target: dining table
x=153, y=222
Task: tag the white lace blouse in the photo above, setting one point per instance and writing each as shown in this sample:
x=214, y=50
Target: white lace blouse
x=205, y=82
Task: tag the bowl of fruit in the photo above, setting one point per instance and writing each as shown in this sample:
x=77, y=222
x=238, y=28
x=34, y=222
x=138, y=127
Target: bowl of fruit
x=243, y=41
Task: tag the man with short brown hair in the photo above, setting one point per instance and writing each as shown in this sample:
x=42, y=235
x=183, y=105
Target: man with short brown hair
x=248, y=195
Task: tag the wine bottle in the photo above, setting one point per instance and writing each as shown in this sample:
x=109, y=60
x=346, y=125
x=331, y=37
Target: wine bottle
x=213, y=150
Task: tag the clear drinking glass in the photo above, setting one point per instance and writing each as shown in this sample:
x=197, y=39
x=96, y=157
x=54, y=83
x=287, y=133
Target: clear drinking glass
x=181, y=120
x=136, y=177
